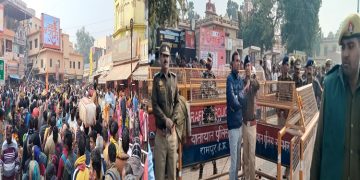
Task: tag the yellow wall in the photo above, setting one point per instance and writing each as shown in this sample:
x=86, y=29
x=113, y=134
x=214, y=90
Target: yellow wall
x=56, y=57
x=34, y=24
x=45, y=56
x=124, y=11
x=31, y=38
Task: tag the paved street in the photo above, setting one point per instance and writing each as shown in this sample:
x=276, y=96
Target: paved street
x=223, y=166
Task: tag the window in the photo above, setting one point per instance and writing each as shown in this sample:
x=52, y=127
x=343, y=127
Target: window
x=228, y=57
x=78, y=65
x=30, y=45
x=35, y=26
x=50, y=62
x=74, y=65
x=58, y=63
x=70, y=64
x=42, y=63
x=36, y=43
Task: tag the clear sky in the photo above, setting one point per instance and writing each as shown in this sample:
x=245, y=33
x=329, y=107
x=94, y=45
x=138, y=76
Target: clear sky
x=96, y=15
x=332, y=12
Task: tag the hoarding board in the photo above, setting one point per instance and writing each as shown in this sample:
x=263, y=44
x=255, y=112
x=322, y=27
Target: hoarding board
x=50, y=31
x=2, y=72
x=212, y=41
x=266, y=144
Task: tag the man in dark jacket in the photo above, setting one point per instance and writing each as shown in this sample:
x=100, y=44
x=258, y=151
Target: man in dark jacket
x=337, y=147
x=235, y=103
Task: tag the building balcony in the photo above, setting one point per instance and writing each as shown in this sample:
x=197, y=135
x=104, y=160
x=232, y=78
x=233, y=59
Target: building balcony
x=17, y=9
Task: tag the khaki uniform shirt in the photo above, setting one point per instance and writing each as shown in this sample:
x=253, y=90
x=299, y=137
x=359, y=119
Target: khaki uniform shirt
x=165, y=98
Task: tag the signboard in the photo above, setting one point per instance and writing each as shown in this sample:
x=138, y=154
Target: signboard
x=2, y=72
x=197, y=114
x=190, y=39
x=205, y=152
x=266, y=144
x=213, y=41
x=20, y=36
x=208, y=141
x=170, y=37
x=50, y=31
x=1, y=18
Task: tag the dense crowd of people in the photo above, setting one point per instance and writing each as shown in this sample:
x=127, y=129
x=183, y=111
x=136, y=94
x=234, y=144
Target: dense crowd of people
x=43, y=136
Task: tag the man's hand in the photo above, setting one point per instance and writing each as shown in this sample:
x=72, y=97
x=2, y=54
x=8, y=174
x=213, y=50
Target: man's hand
x=246, y=88
x=169, y=123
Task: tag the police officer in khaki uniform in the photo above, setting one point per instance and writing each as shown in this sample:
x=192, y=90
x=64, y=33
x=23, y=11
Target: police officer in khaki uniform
x=285, y=76
x=165, y=104
x=296, y=76
x=310, y=78
x=337, y=147
x=284, y=90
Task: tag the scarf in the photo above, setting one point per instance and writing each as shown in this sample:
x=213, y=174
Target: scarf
x=112, y=140
x=84, y=172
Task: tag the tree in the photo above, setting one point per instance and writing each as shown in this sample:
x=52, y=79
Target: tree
x=232, y=10
x=84, y=41
x=300, y=26
x=191, y=12
x=163, y=13
x=192, y=15
x=317, y=41
x=258, y=28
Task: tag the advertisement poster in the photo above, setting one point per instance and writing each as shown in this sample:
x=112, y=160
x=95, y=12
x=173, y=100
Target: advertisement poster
x=190, y=39
x=51, y=31
x=213, y=41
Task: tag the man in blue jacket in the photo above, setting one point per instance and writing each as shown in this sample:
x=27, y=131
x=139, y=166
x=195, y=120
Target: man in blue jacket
x=235, y=103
